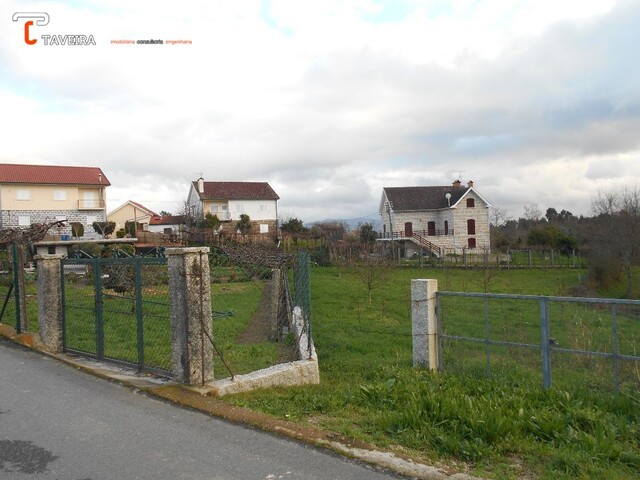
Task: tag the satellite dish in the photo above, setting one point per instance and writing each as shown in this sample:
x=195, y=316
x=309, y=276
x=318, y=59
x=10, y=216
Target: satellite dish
x=448, y=197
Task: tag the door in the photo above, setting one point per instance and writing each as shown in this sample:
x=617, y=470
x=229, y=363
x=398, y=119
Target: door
x=408, y=229
x=431, y=228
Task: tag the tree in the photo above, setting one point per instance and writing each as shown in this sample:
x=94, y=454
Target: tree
x=552, y=214
x=294, y=227
x=498, y=217
x=367, y=234
x=77, y=229
x=244, y=224
x=164, y=213
x=372, y=269
x=532, y=212
x=211, y=221
x=104, y=228
x=616, y=236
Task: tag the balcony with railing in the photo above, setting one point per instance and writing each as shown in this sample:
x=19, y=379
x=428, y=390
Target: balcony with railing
x=90, y=204
x=423, y=233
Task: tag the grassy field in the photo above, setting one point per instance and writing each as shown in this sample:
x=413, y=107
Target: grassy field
x=503, y=427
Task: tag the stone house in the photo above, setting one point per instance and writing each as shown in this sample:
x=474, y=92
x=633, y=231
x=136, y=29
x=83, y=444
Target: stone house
x=439, y=220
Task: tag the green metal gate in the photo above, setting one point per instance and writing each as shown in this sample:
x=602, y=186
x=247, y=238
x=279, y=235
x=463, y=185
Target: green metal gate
x=13, y=307
x=117, y=310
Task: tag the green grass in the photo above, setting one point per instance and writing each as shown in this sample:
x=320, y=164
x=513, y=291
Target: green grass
x=503, y=427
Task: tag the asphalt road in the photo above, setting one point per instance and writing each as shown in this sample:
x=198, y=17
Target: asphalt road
x=58, y=423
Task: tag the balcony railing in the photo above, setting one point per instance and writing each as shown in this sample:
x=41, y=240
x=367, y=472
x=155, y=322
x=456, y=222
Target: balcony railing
x=423, y=233
x=90, y=205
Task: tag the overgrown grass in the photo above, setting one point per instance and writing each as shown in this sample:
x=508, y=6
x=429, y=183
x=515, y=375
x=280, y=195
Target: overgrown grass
x=503, y=427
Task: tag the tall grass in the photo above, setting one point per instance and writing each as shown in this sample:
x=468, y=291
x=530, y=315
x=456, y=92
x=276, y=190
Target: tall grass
x=502, y=427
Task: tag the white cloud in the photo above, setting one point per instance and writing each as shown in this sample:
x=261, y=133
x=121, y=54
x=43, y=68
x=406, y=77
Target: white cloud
x=330, y=101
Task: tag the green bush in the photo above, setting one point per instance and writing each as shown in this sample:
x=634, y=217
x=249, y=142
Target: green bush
x=77, y=229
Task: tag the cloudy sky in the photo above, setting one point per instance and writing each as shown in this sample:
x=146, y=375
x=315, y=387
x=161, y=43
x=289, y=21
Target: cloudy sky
x=329, y=100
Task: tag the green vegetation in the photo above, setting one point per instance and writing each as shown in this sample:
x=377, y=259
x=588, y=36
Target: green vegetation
x=503, y=427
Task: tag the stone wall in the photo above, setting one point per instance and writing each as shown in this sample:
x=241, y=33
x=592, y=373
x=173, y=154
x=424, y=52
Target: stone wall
x=9, y=218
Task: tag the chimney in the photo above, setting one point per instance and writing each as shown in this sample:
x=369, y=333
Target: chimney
x=457, y=184
x=470, y=184
x=200, y=185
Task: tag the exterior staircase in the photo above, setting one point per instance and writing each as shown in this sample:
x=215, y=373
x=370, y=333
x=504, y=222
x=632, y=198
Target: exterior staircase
x=424, y=243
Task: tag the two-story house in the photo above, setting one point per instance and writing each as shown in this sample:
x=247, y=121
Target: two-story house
x=439, y=219
x=229, y=200
x=45, y=193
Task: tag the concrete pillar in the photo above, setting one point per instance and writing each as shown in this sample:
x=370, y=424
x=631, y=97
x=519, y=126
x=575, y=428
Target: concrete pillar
x=424, y=324
x=191, y=317
x=49, y=291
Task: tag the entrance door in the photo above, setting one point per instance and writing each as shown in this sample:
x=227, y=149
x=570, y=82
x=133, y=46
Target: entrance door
x=408, y=229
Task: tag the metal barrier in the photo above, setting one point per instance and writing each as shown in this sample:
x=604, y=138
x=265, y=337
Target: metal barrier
x=117, y=309
x=594, y=342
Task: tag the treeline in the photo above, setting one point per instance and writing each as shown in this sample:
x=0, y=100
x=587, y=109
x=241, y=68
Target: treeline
x=609, y=239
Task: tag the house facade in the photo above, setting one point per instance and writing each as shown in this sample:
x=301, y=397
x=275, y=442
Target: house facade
x=167, y=224
x=439, y=219
x=131, y=211
x=44, y=193
x=229, y=200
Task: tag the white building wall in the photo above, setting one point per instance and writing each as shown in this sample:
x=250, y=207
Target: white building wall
x=256, y=209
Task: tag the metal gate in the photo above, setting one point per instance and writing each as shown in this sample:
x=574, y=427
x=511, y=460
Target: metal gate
x=13, y=304
x=117, y=310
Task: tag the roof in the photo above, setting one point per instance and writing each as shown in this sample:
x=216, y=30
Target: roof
x=236, y=191
x=52, y=175
x=424, y=198
x=135, y=205
x=166, y=220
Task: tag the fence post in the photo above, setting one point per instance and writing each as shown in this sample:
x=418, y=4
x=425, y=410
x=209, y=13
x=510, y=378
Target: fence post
x=424, y=325
x=276, y=295
x=49, y=293
x=545, y=343
x=191, y=316
x=18, y=288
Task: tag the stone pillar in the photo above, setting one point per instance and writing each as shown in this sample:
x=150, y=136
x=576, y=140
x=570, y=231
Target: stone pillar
x=191, y=317
x=424, y=324
x=50, y=301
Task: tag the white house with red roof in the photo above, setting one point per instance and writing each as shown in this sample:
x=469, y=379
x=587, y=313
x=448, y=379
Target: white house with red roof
x=45, y=193
x=229, y=200
x=435, y=219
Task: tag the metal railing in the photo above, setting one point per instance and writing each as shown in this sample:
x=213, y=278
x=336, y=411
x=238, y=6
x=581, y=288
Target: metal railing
x=423, y=233
x=594, y=341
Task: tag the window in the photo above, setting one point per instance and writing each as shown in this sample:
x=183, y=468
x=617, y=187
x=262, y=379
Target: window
x=472, y=243
x=51, y=249
x=22, y=194
x=61, y=218
x=471, y=227
x=214, y=208
x=24, y=221
x=471, y=203
x=91, y=219
x=431, y=228
x=59, y=195
x=446, y=227
x=264, y=228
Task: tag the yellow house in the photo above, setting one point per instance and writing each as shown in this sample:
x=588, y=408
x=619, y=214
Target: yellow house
x=45, y=193
x=131, y=211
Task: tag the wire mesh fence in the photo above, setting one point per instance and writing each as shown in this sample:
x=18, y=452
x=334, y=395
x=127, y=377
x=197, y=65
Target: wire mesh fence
x=570, y=343
x=251, y=306
x=118, y=309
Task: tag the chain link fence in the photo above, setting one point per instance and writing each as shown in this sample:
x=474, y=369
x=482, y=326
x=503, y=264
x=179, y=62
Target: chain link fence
x=118, y=309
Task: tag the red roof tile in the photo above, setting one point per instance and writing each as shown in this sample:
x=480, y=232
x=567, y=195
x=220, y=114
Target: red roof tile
x=237, y=191
x=51, y=174
x=167, y=220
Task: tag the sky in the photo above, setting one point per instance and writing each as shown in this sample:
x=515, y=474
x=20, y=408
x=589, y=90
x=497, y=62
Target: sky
x=329, y=101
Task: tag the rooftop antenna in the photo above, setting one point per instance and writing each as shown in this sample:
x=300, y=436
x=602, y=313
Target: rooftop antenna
x=460, y=174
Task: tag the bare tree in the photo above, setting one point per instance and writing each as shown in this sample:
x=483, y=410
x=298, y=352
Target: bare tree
x=498, y=217
x=532, y=212
x=617, y=232
x=372, y=269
